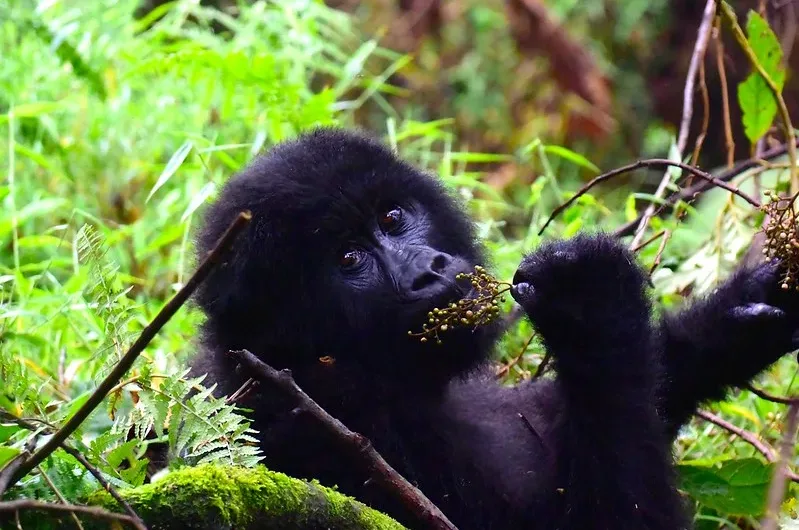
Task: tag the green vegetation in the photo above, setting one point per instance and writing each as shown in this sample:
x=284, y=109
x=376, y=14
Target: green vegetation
x=115, y=131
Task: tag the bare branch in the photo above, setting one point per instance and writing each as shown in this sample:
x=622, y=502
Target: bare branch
x=147, y=334
x=542, y=366
x=700, y=139
x=697, y=56
x=648, y=241
x=59, y=495
x=689, y=194
x=661, y=249
x=505, y=368
x=750, y=438
x=725, y=97
x=77, y=455
x=97, y=513
x=652, y=162
x=427, y=513
x=743, y=434
x=768, y=397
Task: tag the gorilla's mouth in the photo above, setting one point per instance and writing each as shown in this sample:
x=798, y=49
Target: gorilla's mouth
x=455, y=291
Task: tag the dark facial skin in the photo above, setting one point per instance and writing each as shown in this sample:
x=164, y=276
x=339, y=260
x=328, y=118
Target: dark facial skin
x=348, y=250
x=393, y=253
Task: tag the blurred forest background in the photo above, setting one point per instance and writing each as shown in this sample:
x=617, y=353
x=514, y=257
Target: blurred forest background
x=119, y=119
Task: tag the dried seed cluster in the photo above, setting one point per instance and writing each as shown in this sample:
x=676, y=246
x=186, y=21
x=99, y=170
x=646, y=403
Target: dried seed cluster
x=480, y=310
x=782, y=238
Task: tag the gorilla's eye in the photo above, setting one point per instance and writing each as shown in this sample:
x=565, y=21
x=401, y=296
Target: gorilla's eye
x=390, y=218
x=349, y=258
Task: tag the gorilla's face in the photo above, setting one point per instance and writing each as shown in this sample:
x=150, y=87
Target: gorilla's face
x=348, y=250
x=392, y=262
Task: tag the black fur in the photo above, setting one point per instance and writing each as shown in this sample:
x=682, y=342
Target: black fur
x=587, y=450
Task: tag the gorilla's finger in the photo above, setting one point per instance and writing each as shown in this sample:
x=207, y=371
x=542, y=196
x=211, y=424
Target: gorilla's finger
x=756, y=311
x=523, y=292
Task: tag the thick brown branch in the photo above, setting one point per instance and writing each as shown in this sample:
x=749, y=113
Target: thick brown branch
x=652, y=162
x=147, y=334
x=98, y=513
x=427, y=513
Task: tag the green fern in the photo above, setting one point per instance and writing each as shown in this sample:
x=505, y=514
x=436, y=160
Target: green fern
x=106, y=298
x=198, y=427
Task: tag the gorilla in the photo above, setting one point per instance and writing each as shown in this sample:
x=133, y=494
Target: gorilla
x=350, y=247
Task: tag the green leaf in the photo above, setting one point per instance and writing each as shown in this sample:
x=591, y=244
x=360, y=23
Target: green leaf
x=766, y=46
x=122, y=453
x=6, y=454
x=736, y=487
x=571, y=156
x=34, y=109
x=7, y=430
x=630, y=212
x=35, y=209
x=757, y=102
x=174, y=163
x=198, y=199
x=76, y=404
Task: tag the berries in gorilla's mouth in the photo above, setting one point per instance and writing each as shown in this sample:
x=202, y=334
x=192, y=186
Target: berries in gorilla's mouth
x=471, y=304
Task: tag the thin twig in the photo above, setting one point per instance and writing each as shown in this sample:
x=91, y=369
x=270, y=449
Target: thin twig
x=648, y=241
x=743, y=434
x=504, y=369
x=427, y=513
x=785, y=117
x=698, y=56
x=689, y=194
x=748, y=437
x=661, y=249
x=725, y=96
x=59, y=495
x=242, y=392
x=700, y=139
x=77, y=455
x=769, y=397
x=651, y=162
x=776, y=491
x=92, y=511
x=542, y=366
x=147, y=334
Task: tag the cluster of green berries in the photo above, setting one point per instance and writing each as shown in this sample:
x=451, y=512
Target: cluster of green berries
x=782, y=239
x=480, y=310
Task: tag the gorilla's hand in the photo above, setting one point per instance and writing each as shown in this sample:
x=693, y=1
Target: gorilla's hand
x=584, y=291
x=758, y=310
x=725, y=339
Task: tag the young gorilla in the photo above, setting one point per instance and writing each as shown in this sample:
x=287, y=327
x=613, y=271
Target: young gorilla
x=348, y=250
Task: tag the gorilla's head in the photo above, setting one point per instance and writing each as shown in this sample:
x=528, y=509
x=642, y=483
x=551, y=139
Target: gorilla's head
x=348, y=249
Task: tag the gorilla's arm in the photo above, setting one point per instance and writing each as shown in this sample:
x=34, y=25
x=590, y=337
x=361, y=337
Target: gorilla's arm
x=586, y=298
x=724, y=340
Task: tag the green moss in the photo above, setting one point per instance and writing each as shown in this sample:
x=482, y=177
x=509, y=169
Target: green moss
x=220, y=497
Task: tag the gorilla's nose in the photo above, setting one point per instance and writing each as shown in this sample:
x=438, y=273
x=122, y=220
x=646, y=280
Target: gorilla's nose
x=428, y=273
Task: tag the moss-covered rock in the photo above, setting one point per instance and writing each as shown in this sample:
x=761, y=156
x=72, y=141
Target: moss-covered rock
x=221, y=498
